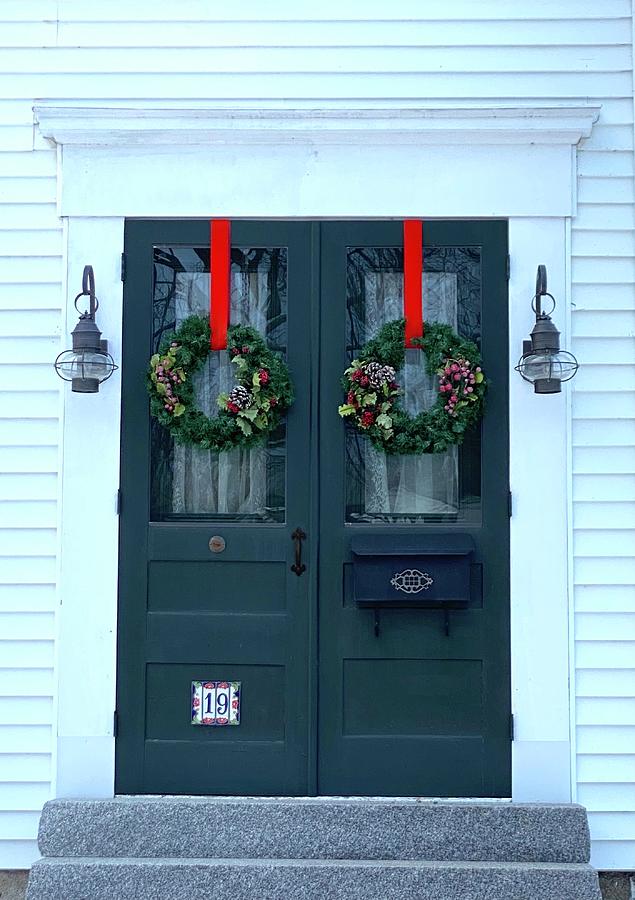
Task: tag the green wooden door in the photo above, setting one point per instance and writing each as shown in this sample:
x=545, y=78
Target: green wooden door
x=188, y=613
x=414, y=711
x=327, y=706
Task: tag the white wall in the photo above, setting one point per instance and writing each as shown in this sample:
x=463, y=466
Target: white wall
x=129, y=52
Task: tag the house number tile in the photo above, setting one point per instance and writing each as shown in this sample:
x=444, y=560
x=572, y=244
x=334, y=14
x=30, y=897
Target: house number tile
x=216, y=702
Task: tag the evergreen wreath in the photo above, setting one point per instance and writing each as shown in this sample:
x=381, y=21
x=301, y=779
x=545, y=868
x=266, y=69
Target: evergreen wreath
x=251, y=410
x=372, y=393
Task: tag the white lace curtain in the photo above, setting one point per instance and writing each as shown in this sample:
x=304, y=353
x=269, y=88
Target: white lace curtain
x=235, y=483
x=204, y=481
x=415, y=485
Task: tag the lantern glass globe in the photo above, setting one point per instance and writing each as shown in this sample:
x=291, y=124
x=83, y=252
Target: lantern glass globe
x=547, y=369
x=85, y=369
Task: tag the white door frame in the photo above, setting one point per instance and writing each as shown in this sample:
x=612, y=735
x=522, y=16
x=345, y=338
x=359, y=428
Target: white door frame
x=517, y=164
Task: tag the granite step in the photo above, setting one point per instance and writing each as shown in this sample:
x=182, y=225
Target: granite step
x=315, y=879
x=315, y=828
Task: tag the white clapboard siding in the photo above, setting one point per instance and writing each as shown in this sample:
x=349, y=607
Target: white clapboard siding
x=355, y=10
x=605, y=711
x=592, y=460
x=280, y=61
x=30, y=315
x=140, y=53
x=603, y=433
x=595, y=542
x=428, y=34
x=493, y=87
x=604, y=599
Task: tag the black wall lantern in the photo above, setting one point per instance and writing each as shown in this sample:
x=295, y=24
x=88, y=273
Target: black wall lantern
x=89, y=362
x=543, y=363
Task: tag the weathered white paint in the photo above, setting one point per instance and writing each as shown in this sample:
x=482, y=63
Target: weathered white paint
x=564, y=52
x=98, y=127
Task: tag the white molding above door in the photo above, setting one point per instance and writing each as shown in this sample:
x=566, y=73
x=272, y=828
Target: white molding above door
x=94, y=126
x=317, y=163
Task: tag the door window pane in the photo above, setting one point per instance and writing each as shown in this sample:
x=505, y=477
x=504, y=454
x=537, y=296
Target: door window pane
x=433, y=487
x=188, y=482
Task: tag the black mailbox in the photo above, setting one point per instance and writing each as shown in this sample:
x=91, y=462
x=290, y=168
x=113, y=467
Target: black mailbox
x=432, y=571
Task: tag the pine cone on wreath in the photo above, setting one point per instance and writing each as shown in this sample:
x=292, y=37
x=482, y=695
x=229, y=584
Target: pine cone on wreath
x=240, y=397
x=375, y=373
x=389, y=374
x=379, y=375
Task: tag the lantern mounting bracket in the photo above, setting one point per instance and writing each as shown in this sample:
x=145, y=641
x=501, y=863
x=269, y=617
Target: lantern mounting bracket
x=88, y=290
x=89, y=363
x=541, y=281
x=541, y=291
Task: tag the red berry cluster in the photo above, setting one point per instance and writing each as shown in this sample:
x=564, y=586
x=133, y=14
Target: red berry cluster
x=367, y=417
x=457, y=379
x=361, y=378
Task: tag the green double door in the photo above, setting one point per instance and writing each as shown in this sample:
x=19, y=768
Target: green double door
x=333, y=699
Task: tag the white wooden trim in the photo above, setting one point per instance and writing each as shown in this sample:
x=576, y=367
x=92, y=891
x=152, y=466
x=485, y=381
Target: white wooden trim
x=90, y=126
x=274, y=163
x=89, y=573
x=103, y=184
x=538, y=534
x=567, y=330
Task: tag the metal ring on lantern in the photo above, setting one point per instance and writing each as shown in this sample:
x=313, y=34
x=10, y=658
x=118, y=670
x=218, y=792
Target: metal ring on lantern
x=537, y=306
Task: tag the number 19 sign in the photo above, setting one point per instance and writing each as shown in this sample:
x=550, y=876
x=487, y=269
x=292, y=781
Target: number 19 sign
x=216, y=703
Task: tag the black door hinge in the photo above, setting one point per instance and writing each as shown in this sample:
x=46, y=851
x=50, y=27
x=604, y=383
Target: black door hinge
x=115, y=724
x=123, y=267
x=510, y=504
x=508, y=267
x=511, y=726
x=118, y=502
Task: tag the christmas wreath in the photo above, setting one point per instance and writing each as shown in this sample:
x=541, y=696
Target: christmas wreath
x=372, y=392
x=251, y=410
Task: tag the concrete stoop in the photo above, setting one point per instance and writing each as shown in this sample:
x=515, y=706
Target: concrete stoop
x=185, y=848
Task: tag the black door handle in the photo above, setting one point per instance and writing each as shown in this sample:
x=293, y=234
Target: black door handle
x=298, y=567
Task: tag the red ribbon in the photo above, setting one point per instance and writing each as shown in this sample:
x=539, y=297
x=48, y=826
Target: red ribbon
x=412, y=275
x=219, y=292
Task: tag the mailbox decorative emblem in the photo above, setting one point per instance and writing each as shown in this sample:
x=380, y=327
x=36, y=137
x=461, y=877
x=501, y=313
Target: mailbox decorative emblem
x=411, y=581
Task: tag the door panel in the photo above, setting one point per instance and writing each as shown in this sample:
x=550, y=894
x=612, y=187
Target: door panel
x=188, y=614
x=413, y=710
